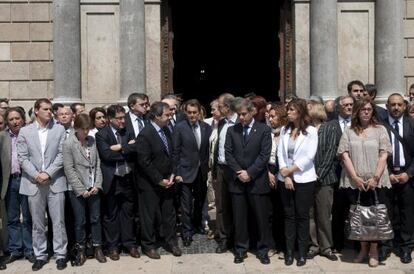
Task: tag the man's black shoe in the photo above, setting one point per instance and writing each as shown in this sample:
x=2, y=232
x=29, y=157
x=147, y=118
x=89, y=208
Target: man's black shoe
x=12, y=258
x=61, y=264
x=289, y=258
x=38, y=264
x=405, y=257
x=2, y=265
x=200, y=230
x=187, y=241
x=263, y=258
x=221, y=248
x=329, y=255
x=383, y=254
x=301, y=261
x=239, y=258
x=31, y=258
x=311, y=254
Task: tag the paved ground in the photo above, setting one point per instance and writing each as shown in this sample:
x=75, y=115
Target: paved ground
x=200, y=258
x=216, y=263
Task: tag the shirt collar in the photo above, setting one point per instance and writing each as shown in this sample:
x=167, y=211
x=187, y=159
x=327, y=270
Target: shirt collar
x=39, y=127
x=12, y=135
x=232, y=118
x=392, y=120
x=251, y=124
x=134, y=117
x=157, y=127
x=341, y=119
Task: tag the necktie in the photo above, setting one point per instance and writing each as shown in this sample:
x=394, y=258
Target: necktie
x=140, y=124
x=164, y=140
x=396, y=146
x=196, y=135
x=245, y=133
x=345, y=121
x=120, y=164
x=170, y=126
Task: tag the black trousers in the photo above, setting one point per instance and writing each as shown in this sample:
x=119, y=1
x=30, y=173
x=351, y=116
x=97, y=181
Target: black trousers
x=403, y=219
x=118, y=214
x=193, y=196
x=260, y=207
x=152, y=205
x=276, y=220
x=224, y=216
x=296, y=205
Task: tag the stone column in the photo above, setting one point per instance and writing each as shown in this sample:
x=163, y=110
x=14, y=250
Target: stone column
x=323, y=49
x=132, y=47
x=389, y=66
x=67, y=51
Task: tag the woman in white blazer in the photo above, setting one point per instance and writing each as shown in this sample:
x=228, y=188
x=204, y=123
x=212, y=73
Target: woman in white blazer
x=296, y=152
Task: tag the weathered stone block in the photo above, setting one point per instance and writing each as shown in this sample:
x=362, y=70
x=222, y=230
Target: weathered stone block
x=14, y=71
x=409, y=66
x=410, y=47
x=41, y=70
x=14, y=32
x=28, y=90
x=50, y=89
x=4, y=51
x=51, y=50
x=409, y=28
x=41, y=32
x=30, y=12
x=30, y=51
x=4, y=12
x=410, y=9
x=4, y=89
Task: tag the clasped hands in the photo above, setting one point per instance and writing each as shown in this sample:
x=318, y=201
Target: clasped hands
x=401, y=178
x=362, y=185
x=243, y=176
x=42, y=178
x=94, y=190
x=167, y=183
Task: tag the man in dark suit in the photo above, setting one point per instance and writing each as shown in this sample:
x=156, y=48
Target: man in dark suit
x=190, y=155
x=138, y=104
x=155, y=181
x=114, y=146
x=247, y=149
x=401, y=167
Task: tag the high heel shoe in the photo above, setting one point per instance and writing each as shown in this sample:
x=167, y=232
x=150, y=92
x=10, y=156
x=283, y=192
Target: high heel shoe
x=373, y=260
x=360, y=258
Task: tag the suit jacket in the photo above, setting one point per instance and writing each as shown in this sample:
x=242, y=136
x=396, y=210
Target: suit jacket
x=77, y=164
x=408, y=145
x=251, y=156
x=186, y=155
x=5, y=161
x=30, y=158
x=326, y=162
x=303, y=156
x=154, y=161
x=105, y=138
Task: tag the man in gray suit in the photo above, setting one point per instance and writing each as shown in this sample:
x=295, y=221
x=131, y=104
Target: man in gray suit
x=39, y=147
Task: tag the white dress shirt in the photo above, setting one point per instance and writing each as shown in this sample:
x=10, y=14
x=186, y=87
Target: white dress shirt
x=42, y=132
x=401, y=132
x=222, y=138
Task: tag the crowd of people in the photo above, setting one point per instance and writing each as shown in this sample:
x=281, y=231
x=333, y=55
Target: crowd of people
x=282, y=175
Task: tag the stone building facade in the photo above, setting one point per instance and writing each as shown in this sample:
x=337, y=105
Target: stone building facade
x=99, y=51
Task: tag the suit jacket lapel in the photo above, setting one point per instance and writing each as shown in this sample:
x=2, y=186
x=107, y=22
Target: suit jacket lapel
x=34, y=132
x=299, y=141
x=251, y=133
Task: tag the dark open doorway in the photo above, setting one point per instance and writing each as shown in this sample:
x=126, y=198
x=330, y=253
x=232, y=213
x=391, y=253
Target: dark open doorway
x=225, y=46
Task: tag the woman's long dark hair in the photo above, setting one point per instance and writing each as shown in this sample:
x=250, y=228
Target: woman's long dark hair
x=304, y=119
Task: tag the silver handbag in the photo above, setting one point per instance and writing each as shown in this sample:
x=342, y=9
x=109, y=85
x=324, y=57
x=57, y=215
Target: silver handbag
x=369, y=223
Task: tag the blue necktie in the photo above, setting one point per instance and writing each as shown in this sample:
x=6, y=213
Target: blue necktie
x=120, y=164
x=245, y=133
x=140, y=124
x=396, y=145
x=164, y=140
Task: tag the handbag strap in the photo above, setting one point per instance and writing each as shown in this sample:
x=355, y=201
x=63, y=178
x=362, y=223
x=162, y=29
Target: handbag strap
x=375, y=197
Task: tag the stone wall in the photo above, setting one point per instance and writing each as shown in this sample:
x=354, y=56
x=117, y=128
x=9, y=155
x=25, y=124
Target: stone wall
x=409, y=43
x=26, y=49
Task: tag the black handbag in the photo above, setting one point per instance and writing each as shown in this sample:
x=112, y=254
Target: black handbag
x=369, y=223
